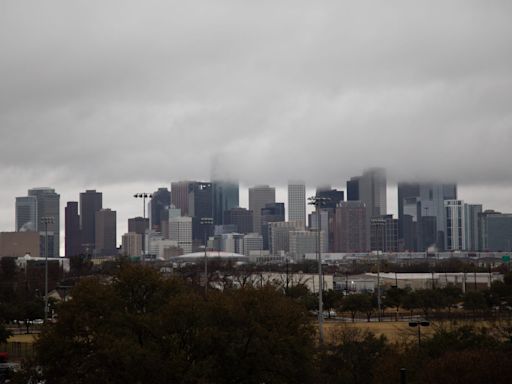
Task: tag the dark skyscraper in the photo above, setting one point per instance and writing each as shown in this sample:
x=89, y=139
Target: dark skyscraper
x=179, y=196
x=138, y=225
x=90, y=203
x=333, y=196
x=225, y=196
x=353, y=189
x=48, y=205
x=240, y=217
x=272, y=213
x=200, y=207
x=105, y=233
x=72, y=239
x=160, y=202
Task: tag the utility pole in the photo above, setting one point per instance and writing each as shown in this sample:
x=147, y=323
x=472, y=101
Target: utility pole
x=46, y=221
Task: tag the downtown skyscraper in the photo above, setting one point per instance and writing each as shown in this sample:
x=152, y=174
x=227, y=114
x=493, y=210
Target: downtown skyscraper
x=297, y=202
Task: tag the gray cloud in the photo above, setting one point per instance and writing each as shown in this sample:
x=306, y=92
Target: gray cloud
x=117, y=93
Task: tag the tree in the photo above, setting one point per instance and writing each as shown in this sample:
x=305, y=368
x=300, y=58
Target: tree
x=4, y=334
x=393, y=298
x=358, y=302
x=331, y=300
x=474, y=301
x=8, y=267
x=141, y=328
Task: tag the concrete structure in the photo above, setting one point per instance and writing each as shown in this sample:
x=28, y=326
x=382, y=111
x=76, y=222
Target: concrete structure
x=91, y=202
x=132, y=244
x=48, y=205
x=225, y=195
x=73, y=238
x=105, y=233
x=273, y=212
x=229, y=242
x=304, y=242
x=279, y=235
x=259, y=196
x=297, y=202
x=18, y=244
x=180, y=230
x=350, y=227
x=325, y=226
x=455, y=225
x=138, y=225
x=26, y=214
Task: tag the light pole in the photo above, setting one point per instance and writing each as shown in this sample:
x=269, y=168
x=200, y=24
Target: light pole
x=206, y=222
x=319, y=202
x=46, y=221
x=143, y=196
x=419, y=324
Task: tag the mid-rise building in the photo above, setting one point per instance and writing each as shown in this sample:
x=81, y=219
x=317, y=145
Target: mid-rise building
x=297, y=202
x=279, y=235
x=18, y=244
x=473, y=230
x=180, y=230
x=496, y=231
x=325, y=226
x=304, y=242
x=350, y=228
x=271, y=213
x=200, y=207
x=384, y=234
x=132, y=244
x=253, y=242
x=260, y=196
x=105, y=233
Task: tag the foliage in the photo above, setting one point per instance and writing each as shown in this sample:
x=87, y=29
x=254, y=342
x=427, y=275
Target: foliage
x=141, y=328
x=4, y=334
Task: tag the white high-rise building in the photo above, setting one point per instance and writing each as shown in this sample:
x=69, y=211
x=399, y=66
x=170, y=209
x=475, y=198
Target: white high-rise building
x=132, y=244
x=455, y=225
x=259, y=196
x=180, y=230
x=297, y=202
x=252, y=242
x=372, y=192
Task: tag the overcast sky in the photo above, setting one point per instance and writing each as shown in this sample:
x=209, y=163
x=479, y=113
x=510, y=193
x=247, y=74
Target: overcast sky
x=126, y=96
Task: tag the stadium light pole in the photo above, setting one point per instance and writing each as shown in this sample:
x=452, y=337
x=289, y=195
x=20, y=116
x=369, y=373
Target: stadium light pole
x=206, y=222
x=143, y=196
x=319, y=202
x=46, y=220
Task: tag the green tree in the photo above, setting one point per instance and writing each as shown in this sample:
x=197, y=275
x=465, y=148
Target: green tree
x=4, y=334
x=141, y=328
x=331, y=300
x=474, y=301
x=358, y=302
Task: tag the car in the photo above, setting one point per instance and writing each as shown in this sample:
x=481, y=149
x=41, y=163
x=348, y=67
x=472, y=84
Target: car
x=38, y=321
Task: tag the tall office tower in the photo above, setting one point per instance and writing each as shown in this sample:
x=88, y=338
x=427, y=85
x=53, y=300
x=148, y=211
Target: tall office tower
x=279, y=235
x=350, y=228
x=273, y=212
x=297, y=202
x=259, y=196
x=105, y=232
x=225, y=196
x=472, y=214
x=372, y=191
x=160, y=202
x=90, y=203
x=132, y=244
x=303, y=242
x=455, y=231
x=26, y=213
x=48, y=205
x=384, y=234
x=200, y=207
x=180, y=230
x=496, y=231
x=241, y=218
x=72, y=237
x=179, y=196
x=353, y=189
x=424, y=203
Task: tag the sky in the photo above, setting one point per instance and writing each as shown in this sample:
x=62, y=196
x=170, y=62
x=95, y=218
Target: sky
x=126, y=96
